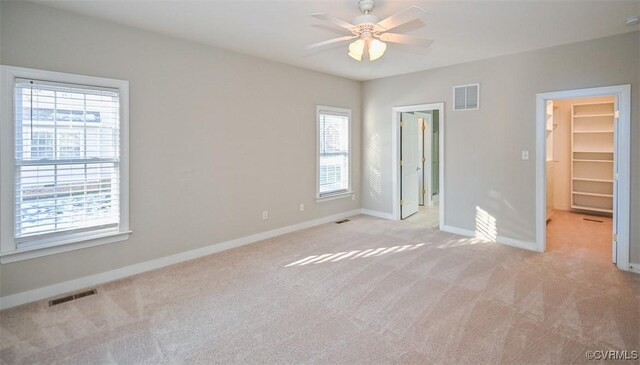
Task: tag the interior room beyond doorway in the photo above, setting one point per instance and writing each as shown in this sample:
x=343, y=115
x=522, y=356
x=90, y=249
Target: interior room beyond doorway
x=420, y=166
x=580, y=176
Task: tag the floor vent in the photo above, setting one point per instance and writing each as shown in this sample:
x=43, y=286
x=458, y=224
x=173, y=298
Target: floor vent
x=342, y=221
x=71, y=297
x=593, y=220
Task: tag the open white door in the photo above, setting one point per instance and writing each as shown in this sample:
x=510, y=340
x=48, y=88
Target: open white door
x=409, y=165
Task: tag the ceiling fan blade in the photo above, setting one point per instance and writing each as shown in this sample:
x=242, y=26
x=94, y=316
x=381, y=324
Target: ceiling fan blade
x=405, y=39
x=334, y=21
x=330, y=41
x=405, y=16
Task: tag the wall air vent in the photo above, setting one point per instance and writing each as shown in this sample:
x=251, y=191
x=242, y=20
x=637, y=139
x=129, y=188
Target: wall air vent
x=466, y=97
x=71, y=297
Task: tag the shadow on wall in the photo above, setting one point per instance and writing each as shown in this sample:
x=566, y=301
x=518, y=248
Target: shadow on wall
x=486, y=228
x=499, y=205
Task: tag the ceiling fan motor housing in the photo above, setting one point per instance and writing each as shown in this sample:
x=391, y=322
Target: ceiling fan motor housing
x=366, y=6
x=365, y=23
x=365, y=19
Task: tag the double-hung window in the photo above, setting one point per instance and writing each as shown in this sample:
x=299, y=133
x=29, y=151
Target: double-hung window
x=64, y=162
x=334, y=147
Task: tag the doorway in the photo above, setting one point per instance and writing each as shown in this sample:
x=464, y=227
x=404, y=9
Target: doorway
x=418, y=163
x=583, y=168
x=580, y=158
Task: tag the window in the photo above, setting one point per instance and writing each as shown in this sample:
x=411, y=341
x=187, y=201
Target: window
x=66, y=160
x=334, y=174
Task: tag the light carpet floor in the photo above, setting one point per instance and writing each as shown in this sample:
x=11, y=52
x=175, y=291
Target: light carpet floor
x=427, y=216
x=368, y=291
x=580, y=235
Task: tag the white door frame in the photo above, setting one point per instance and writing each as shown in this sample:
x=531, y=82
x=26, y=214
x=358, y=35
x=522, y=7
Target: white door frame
x=428, y=164
x=623, y=156
x=395, y=153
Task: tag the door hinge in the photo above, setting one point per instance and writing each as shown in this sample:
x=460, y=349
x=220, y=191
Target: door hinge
x=424, y=159
x=615, y=238
x=401, y=202
x=401, y=124
x=424, y=191
x=616, y=114
x=424, y=125
x=401, y=163
x=615, y=177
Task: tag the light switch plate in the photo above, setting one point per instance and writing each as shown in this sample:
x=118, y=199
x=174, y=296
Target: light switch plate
x=525, y=155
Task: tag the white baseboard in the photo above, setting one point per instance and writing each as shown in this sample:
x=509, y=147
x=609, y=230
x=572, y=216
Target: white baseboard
x=375, y=213
x=499, y=239
x=97, y=279
x=634, y=268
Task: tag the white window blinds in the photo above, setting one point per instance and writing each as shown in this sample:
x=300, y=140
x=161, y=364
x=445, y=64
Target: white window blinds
x=67, y=159
x=333, y=134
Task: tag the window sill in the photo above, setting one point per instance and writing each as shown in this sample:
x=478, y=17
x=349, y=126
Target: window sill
x=63, y=245
x=334, y=196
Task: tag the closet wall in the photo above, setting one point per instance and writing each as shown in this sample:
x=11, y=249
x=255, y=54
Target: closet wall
x=562, y=149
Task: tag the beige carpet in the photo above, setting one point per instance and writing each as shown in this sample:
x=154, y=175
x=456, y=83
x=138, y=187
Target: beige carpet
x=427, y=216
x=398, y=293
x=580, y=235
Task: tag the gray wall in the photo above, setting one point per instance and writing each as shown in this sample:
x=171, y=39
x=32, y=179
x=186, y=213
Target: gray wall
x=202, y=167
x=482, y=148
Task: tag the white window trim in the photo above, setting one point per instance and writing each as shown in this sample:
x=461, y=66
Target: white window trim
x=341, y=194
x=9, y=251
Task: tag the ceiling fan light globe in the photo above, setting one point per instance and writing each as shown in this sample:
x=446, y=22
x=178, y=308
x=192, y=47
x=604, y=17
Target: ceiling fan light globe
x=356, y=49
x=376, y=49
x=357, y=57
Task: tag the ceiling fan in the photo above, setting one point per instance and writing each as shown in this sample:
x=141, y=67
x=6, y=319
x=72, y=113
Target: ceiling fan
x=370, y=33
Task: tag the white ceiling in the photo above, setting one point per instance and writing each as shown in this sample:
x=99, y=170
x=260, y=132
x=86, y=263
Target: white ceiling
x=278, y=30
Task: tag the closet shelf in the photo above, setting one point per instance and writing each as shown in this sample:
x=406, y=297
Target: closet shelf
x=587, y=151
x=592, y=180
x=592, y=194
x=592, y=132
x=593, y=115
x=583, y=160
x=582, y=207
x=611, y=131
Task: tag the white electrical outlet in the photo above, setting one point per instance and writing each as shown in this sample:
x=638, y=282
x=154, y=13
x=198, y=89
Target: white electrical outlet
x=525, y=155
x=265, y=215
x=353, y=197
x=302, y=207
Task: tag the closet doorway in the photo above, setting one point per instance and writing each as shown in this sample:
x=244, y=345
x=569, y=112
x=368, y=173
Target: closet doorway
x=585, y=160
x=418, y=163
